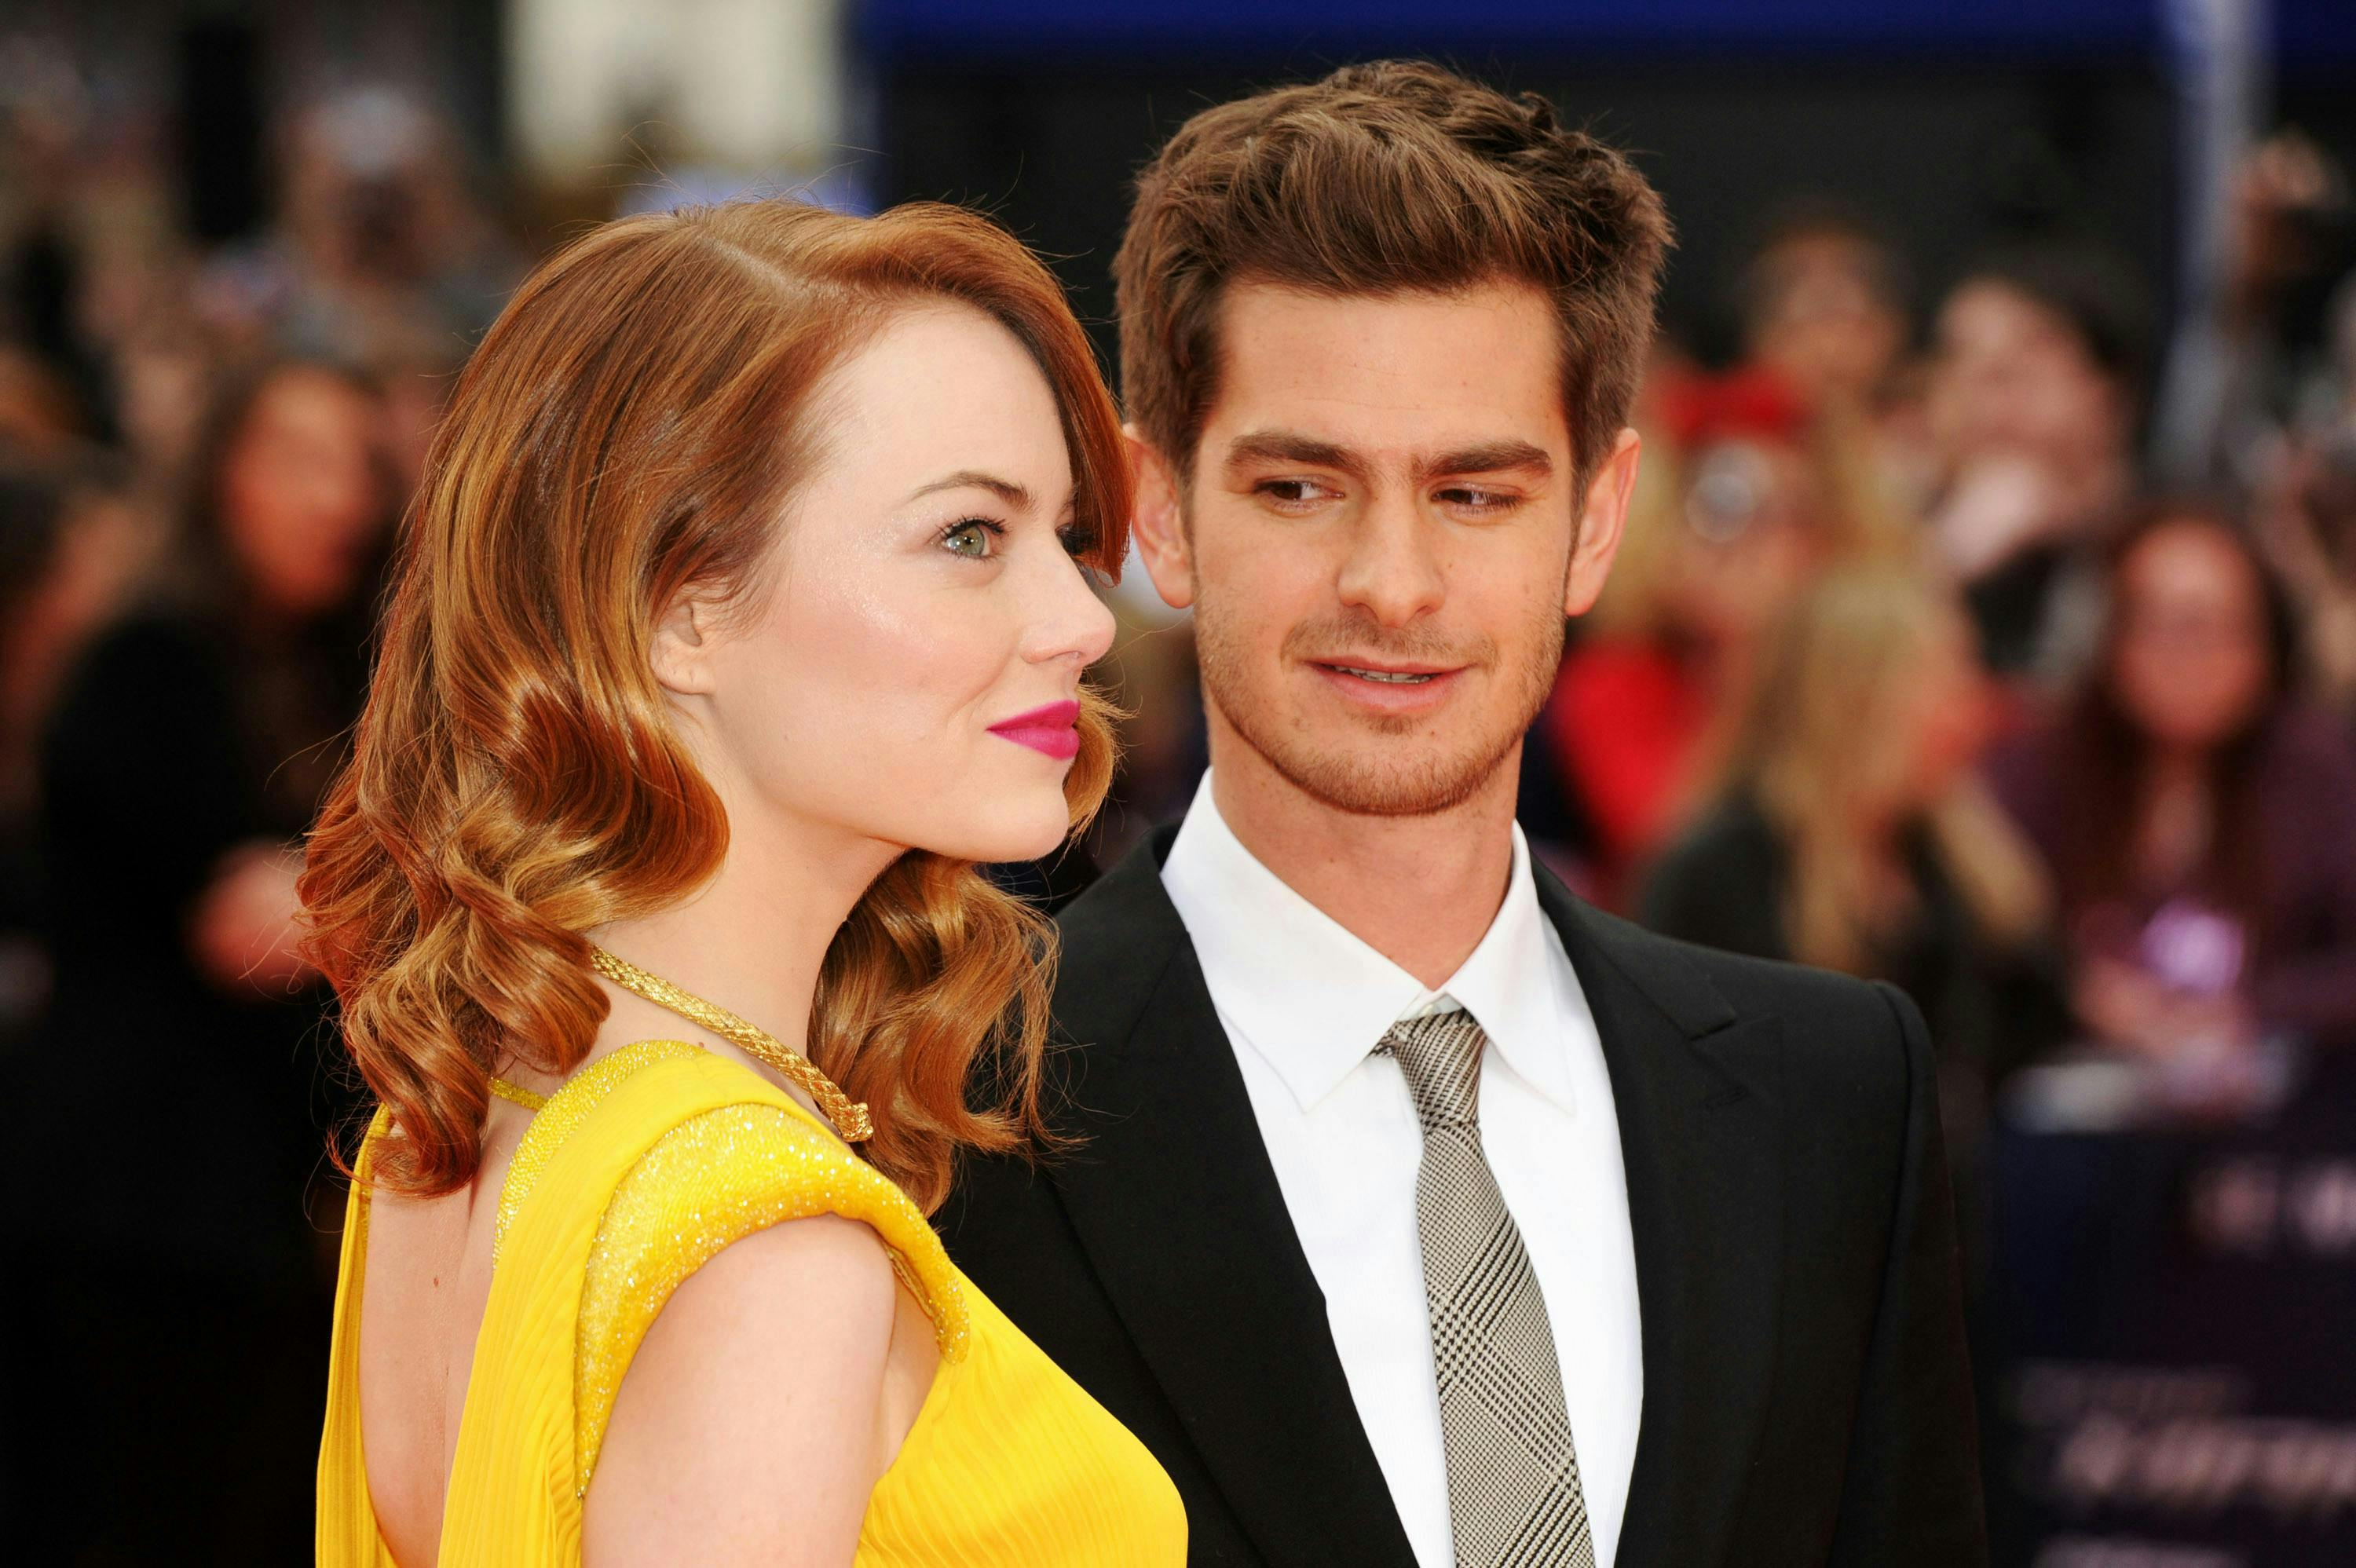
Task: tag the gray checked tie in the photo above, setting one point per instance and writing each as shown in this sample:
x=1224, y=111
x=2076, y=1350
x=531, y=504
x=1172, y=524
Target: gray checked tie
x=1514, y=1498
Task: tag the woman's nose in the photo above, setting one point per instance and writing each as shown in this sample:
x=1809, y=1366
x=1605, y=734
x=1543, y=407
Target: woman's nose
x=1067, y=620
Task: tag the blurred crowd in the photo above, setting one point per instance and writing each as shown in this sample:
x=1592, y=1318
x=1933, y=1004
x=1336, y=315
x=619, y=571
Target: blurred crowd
x=1928, y=662
x=203, y=452
x=1925, y=659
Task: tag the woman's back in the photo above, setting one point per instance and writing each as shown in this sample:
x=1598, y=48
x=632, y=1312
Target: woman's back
x=427, y=1281
x=643, y=1169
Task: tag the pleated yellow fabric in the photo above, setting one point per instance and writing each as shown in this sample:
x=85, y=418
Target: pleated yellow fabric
x=633, y=1176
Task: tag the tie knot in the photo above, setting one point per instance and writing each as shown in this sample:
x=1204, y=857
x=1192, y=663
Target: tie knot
x=1440, y=1054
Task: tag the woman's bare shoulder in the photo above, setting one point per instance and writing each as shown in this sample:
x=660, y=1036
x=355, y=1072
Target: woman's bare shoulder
x=750, y=1426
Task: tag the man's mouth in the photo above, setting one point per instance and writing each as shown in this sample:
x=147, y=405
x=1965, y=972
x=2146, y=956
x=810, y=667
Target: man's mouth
x=1395, y=689
x=1388, y=677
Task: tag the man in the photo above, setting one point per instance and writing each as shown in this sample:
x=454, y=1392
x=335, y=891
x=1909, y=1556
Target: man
x=1416, y=1213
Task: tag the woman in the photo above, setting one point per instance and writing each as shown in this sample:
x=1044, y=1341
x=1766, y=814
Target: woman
x=2201, y=823
x=187, y=754
x=2035, y=393
x=1851, y=832
x=71, y=546
x=1766, y=494
x=742, y=613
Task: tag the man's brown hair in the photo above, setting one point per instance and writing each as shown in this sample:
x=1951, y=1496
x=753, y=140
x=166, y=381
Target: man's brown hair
x=1390, y=177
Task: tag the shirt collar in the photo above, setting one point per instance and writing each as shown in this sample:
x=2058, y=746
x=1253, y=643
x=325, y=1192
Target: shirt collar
x=1313, y=1000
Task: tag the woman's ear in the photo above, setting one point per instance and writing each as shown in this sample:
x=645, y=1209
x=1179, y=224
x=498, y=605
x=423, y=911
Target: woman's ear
x=1158, y=526
x=681, y=655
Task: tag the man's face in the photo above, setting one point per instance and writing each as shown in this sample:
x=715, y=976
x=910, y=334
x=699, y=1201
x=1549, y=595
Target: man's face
x=1382, y=537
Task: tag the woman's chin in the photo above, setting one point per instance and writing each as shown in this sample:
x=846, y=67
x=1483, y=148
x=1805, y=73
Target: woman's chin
x=1009, y=842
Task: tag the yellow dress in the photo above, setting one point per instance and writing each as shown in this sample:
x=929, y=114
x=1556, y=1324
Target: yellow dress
x=632, y=1175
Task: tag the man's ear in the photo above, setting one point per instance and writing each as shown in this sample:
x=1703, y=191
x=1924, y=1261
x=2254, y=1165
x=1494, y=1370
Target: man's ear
x=682, y=645
x=1159, y=524
x=1603, y=520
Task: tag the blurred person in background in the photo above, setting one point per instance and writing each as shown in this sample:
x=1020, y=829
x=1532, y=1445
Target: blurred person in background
x=1851, y=830
x=2253, y=352
x=2305, y=513
x=2036, y=389
x=1823, y=304
x=1751, y=496
x=69, y=544
x=2199, y=821
x=39, y=416
x=380, y=252
x=97, y=270
x=183, y=761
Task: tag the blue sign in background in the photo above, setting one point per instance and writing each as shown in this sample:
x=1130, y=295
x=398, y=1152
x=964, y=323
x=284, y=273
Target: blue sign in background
x=2311, y=33
x=2174, y=1320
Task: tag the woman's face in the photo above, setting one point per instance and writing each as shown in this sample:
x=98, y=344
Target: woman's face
x=906, y=668
x=2189, y=663
x=1749, y=540
x=1828, y=325
x=302, y=493
x=1945, y=711
x=2013, y=379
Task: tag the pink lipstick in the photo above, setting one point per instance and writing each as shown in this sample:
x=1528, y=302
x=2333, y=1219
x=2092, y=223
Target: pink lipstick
x=1050, y=730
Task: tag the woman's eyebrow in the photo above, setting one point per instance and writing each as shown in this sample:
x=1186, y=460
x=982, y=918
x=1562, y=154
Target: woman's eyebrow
x=1006, y=490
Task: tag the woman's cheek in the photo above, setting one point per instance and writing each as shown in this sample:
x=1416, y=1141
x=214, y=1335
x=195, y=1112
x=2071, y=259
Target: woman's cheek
x=910, y=667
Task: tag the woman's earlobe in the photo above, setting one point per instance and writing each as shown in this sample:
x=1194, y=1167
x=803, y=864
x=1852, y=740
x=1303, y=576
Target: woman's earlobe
x=681, y=641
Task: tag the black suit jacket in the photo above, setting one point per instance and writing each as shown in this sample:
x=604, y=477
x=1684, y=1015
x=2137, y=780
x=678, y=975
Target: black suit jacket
x=1806, y=1396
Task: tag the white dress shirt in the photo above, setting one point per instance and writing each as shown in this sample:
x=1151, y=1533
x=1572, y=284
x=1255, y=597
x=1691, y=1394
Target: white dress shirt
x=1305, y=1004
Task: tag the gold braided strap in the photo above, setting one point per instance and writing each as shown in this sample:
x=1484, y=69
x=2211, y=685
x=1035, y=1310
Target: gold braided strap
x=849, y=1116
x=518, y=1094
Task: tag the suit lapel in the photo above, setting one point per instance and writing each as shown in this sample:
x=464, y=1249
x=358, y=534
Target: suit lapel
x=1172, y=1197
x=1698, y=1093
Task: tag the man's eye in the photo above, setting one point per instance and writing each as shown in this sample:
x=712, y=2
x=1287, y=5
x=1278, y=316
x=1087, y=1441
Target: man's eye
x=1294, y=492
x=1477, y=500
x=973, y=538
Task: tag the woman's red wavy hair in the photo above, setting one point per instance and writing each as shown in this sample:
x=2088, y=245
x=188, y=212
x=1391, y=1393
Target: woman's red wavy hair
x=632, y=426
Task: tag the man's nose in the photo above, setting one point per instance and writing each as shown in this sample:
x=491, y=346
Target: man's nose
x=1393, y=570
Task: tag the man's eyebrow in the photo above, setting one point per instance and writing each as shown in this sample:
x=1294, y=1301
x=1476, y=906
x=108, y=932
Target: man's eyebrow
x=1291, y=446
x=1006, y=490
x=1503, y=456
x=1489, y=457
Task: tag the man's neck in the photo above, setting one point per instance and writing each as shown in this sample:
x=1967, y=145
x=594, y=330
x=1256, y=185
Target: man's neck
x=1420, y=890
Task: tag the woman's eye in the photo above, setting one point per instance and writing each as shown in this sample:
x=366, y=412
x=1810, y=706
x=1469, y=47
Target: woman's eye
x=970, y=539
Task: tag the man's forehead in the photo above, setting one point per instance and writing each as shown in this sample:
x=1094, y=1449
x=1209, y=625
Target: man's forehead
x=1407, y=374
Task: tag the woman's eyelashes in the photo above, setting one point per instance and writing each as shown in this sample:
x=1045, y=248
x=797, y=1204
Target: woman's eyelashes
x=973, y=538
x=981, y=538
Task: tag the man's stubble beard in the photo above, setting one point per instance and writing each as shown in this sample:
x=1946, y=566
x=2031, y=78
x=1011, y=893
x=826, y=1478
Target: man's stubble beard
x=1404, y=780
